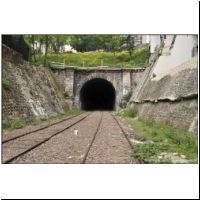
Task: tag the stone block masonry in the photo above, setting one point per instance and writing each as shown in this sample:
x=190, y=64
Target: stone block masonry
x=73, y=79
x=182, y=115
x=171, y=98
x=32, y=90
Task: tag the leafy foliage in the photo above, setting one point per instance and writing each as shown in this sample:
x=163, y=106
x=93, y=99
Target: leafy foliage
x=84, y=43
x=129, y=42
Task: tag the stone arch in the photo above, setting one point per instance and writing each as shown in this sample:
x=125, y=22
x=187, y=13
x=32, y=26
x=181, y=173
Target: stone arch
x=93, y=76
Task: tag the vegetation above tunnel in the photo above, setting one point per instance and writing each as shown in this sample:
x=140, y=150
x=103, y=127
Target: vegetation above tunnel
x=88, y=50
x=139, y=58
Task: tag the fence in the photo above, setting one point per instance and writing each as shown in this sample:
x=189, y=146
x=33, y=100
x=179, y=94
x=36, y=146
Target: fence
x=56, y=65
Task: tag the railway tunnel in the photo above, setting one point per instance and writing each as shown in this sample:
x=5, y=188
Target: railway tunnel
x=97, y=94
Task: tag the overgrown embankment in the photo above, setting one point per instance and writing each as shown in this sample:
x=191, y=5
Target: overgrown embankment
x=159, y=142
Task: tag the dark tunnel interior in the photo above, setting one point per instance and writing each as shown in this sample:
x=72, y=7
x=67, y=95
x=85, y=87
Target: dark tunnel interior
x=97, y=94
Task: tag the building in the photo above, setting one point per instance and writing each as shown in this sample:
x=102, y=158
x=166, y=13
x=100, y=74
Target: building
x=176, y=50
x=141, y=39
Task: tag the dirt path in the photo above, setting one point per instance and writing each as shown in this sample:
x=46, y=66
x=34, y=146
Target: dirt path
x=95, y=139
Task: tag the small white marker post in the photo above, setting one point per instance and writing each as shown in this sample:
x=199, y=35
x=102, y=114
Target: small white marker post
x=76, y=132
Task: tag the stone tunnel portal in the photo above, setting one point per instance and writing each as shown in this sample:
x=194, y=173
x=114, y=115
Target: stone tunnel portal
x=97, y=94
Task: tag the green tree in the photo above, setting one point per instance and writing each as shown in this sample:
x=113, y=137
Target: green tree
x=30, y=41
x=33, y=46
x=58, y=42
x=114, y=43
x=80, y=42
x=47, y=41
x=129, y=43
x=41, y=40
x=84, y=43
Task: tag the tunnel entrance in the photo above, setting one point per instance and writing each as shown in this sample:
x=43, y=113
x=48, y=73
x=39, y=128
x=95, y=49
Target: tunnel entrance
x=97, y=94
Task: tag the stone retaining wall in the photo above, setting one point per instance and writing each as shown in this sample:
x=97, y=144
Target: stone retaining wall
x=171, y=97
x=32, y=90
x=182, y=114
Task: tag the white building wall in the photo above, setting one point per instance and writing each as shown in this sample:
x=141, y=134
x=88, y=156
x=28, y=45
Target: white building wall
x=182, y=50
x=154, y=42
x=145, y=39
x=180, y=53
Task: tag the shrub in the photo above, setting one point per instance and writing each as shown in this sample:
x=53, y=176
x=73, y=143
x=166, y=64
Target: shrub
x=35, y=121
x=18, y=123
x=130, y=112
x=6, y=124
x=14, y=124
x=66, y=94
x=145, y=152
x=127, y=96
x=5, y=84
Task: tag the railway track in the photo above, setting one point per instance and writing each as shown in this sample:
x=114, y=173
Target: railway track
x=76, y=148
x=39, y=129
x=95, y=134
x=43, y=141
x=123, y=131
x=98, y=132
x=125, y=135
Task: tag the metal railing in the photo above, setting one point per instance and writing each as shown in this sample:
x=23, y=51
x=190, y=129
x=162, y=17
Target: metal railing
x=56, y=65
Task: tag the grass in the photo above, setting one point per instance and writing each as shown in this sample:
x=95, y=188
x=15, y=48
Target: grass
x=139, y=58
x=147, y=153
x=14, y=124
x=159, y=138
x=130, y=112
x=67, y=113
x=20, y=123
x=5, y=84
